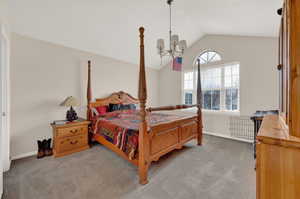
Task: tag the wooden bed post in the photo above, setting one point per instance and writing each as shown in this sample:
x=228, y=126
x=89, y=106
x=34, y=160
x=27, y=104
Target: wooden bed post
x=143, y=134
x=199, y=105
x=89, y=92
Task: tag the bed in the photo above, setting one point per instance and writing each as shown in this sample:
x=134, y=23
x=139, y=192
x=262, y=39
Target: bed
x=141, y=135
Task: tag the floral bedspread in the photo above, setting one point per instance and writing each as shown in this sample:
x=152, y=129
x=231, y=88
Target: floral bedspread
x=121, y=128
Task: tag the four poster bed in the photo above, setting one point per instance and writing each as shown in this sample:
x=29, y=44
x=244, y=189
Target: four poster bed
x=144, y=135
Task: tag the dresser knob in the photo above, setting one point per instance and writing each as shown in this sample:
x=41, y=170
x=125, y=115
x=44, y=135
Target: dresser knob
x=75, y=142
x=74, y=131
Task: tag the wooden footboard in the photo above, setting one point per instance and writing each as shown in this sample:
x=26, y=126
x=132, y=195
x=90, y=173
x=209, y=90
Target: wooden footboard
x=167, y=137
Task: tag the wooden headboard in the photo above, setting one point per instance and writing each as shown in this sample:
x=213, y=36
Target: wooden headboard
x=120, y=97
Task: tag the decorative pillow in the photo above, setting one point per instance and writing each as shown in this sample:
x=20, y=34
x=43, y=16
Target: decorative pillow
x=125, y=107
x=101, y=110
x=132, y=106
x=128, y=107
x=114, y=107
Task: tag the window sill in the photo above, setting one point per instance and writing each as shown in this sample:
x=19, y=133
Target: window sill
x=212, y=112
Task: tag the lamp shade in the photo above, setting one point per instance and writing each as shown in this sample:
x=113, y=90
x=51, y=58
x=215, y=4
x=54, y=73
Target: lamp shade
x=174, y=39
x=182, y=45
x=160, y=44
x=70, y=101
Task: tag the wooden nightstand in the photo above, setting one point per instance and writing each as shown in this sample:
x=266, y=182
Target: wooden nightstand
x=70, y=137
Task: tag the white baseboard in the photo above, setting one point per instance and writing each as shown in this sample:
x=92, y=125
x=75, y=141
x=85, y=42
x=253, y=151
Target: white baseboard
x=227, y=137
x=24, y=155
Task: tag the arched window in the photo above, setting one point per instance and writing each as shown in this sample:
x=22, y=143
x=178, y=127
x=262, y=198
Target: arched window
x=219, y=81
x=209, y=57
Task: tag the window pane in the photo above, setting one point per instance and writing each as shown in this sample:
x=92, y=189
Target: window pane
x=202, y=61
x=207, y=100
x=209, y=56
x=211, y=78
x=231, y=99
x=216, y=99
x=227, y=77
x=235, y=70
x=235, y=81
x=228, y=99
x=188, y=98
x=234, y=98
x=217, y=57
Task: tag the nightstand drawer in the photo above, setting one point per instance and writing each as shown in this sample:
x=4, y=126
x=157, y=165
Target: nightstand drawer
x=71, y=143
x=71, y=131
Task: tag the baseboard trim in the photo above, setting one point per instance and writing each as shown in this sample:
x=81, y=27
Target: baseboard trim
x=227, y=137
x=24, y=155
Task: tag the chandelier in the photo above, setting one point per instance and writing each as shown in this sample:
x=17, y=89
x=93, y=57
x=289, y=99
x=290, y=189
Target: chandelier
x=176, y=47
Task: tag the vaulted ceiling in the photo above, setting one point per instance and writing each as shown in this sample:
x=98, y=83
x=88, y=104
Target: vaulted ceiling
x=110, y=27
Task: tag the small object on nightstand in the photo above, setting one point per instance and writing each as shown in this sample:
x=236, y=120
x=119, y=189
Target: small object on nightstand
x=70, y=137
x=70, y=102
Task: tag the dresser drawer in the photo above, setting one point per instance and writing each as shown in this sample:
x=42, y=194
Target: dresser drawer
x=71, y=143
x=71, y=131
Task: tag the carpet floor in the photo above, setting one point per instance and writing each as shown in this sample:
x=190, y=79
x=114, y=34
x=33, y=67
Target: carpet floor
x=220, y=169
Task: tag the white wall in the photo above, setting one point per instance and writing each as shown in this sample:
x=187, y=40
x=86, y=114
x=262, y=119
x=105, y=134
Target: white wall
x=4, y=58
x=44, y=74
x=5, y=98
x=258, y=74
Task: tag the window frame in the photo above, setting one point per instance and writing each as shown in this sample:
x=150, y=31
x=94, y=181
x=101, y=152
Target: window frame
x=207, y=51
x=222, y=89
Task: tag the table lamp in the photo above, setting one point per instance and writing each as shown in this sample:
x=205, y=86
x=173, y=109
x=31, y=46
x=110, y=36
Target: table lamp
x=70, y=102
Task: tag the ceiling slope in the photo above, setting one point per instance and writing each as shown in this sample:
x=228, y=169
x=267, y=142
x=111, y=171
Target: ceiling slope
x=110, y=28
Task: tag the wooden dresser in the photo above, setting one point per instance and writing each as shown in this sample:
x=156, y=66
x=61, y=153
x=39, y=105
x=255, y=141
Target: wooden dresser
x=278, y=161
x=278, y=140
x=70, y=138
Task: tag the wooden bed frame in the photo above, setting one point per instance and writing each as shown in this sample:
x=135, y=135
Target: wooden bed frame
x=158, y=140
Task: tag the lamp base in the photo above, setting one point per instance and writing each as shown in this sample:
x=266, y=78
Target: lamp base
x=71, y=115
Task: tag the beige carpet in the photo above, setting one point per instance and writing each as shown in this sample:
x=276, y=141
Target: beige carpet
x=220, y=169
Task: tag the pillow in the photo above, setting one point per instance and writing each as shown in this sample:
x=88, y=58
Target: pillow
x=128, y=107
x=114, y=107
x=125, y=107
x=101, y=110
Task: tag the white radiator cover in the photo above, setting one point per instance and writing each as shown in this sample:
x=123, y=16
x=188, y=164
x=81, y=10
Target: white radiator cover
x=241, y=127
x=231, y=126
